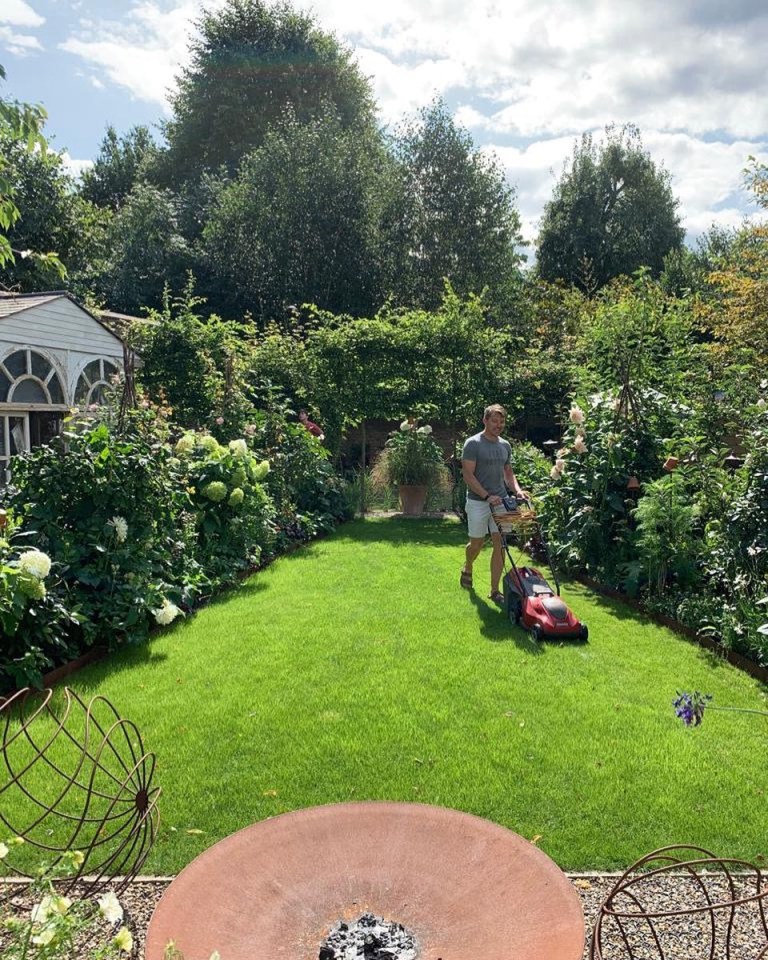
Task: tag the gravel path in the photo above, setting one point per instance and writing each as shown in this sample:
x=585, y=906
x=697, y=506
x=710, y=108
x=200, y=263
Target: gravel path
x=683, y=939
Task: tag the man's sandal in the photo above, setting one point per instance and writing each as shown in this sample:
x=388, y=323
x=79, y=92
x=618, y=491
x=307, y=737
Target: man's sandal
x=466, y=579
x=497, y=596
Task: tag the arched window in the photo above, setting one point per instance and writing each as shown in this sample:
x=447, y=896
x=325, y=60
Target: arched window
x=94, y=381
x=29, y=377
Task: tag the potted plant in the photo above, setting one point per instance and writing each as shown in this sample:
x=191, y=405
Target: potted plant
x=412, y=461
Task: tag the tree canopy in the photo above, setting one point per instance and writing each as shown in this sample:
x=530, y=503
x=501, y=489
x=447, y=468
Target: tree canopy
x=120, y=163
x=451, y=213
x=299, y=223
x=250, y=62
x=612, y=212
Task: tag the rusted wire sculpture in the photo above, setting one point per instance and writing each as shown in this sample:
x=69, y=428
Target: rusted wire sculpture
x=704, y=917
x=78, y=778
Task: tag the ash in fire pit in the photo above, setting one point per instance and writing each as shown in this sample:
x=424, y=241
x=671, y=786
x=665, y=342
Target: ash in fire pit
x=369, y=938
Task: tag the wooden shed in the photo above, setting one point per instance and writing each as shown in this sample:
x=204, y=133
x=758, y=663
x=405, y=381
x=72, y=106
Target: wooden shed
x=54, y=355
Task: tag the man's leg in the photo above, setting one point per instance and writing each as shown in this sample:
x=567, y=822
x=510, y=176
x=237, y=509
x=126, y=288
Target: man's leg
x=497, y=562
x=474, y=547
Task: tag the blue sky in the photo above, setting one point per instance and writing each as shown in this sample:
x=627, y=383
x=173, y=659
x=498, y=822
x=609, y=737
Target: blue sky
x=526, y=79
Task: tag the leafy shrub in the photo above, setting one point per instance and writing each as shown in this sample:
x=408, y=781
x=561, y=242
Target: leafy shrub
x=233, y=510
x=411, y=457
x=106, y=508
x=666, y=535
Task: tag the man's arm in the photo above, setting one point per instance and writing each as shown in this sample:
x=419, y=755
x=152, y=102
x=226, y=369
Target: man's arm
x=511, y=481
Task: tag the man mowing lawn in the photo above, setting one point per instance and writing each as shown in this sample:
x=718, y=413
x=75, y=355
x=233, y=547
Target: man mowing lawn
x=485, y=466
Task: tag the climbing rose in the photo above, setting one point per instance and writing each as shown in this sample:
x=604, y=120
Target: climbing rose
x=576, y=415
x=554, y=473
x=560, y=465
x=425, y=430
x=579, y=446
x=406, y=425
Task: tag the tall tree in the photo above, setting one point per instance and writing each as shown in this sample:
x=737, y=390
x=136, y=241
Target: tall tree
x=51, y=217
x=298, y=224
x=21, y=125
x=120, y=163
x=737, y=315
x=250, y=62
x=146, y=251
x=612, y=212
x=451, y=214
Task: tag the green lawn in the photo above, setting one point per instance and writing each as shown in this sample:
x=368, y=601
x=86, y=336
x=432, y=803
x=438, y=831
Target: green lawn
x=356, y=668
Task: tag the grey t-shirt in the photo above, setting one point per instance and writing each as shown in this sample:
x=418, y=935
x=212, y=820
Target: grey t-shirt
x=491, y=456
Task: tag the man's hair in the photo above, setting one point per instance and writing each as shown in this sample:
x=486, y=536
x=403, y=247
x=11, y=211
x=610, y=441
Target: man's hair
x=494, y=408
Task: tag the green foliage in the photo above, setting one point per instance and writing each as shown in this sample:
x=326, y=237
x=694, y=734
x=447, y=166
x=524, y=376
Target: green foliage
x=299, y=223
x=587, y=507
x=411, y=457
x=451, y=214
x=103, y=504
x=53, y=217
x=22, y=124
x=120, y=163
x=612, y=212
x=234, y=512
x=642, y=343
x=58, y=926
x=276, y=62
x=34, y=621
x=194, y=365
x=146, y=253
x=666, y=533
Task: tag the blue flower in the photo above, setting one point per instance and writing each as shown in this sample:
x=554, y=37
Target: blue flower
x=690, y=707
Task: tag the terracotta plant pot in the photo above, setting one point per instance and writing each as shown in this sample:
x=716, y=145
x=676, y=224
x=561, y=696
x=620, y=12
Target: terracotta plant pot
x=412, y=499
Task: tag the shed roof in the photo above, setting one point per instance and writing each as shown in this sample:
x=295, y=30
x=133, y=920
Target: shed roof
x=13, y=303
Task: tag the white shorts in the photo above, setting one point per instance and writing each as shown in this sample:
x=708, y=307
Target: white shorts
x=480, y=520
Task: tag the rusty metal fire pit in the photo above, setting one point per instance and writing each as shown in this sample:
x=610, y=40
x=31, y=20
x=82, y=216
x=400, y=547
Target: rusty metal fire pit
x=466, y=888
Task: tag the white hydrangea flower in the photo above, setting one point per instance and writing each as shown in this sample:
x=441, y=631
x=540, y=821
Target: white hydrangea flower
x=405, y=426
x=576, y=415
x=110, y=909
x=36, y=563
x=185, y=444
x=425, y=430
x=239, y=447
x=167, y=613
x=120, y=525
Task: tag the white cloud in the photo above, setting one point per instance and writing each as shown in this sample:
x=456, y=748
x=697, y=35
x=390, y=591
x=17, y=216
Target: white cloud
x=74, y=167
x=690, y=74
x=19, y=44
x=20, y=14
x=143, y=52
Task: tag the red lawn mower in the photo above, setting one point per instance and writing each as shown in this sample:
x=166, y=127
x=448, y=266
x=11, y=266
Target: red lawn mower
x=528, y=598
